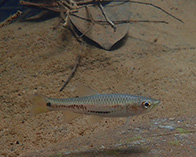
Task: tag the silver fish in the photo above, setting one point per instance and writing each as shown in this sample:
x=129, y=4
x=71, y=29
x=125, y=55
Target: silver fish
x=103, y=105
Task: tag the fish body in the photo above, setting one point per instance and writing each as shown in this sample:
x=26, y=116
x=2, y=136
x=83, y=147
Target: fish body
x=104, y=105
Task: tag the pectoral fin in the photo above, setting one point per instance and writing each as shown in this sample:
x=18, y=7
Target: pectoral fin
x=69, y=116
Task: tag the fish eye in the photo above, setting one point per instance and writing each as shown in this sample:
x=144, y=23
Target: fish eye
x=146, y=104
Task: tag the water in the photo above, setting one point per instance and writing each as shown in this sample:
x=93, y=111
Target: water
x=37, y=56
x=9, y=7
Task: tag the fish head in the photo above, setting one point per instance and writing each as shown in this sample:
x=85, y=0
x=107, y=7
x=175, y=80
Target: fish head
x=142, y=105
x=147, y=104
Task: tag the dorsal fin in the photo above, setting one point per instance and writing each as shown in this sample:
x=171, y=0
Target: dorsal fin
x=83, y=90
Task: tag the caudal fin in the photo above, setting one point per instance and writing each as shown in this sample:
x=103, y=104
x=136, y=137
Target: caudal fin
x=39, y=104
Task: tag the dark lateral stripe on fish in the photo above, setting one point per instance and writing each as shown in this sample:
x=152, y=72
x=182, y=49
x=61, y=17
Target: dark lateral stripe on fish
x=67, y=106
x=78, y=107
x=104, y=112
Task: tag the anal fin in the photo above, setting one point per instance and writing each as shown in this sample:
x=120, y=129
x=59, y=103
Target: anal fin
x=94, y=119
x=69, y=116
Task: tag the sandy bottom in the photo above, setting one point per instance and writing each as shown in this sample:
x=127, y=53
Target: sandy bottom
x=155, y=60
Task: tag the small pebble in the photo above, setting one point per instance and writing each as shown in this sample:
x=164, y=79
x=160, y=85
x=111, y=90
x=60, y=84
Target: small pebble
x=91, y=145
x=180, y=121
x=172, y=119
x=166, y=127
x=68, y=152
x=137, y=129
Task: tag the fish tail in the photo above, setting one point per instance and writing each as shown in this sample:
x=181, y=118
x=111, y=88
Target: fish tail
x=39, y=104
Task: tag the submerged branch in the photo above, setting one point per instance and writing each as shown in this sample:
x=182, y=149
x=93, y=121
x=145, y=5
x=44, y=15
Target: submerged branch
x=72, y=72
x=11, y=19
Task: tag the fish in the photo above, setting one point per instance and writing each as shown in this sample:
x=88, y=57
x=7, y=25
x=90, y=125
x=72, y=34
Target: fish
x=97, y=105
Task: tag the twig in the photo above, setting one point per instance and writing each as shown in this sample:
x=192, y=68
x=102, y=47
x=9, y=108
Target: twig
x=11, y=18
x=91, y=20
x=50, y=6
x=63, y=16
x=107, y=19
x=145, y=3
x=86, y=31
x=101, y=22
x=119, y=21
x=41, y=5
x=135, y=21
x=72, y=72
x=69, y=4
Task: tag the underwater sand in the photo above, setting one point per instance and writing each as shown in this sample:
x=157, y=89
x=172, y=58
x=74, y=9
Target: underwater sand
x=155, y=60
